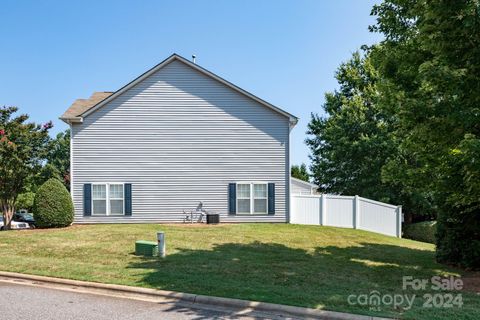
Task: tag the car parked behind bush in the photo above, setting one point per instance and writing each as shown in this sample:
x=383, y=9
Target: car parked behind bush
x=24, y=216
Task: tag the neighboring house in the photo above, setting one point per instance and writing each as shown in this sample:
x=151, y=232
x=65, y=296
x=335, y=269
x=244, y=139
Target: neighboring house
x=177, y=135
x=302, y=187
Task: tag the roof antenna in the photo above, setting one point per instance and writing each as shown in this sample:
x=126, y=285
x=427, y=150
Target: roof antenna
x=193, y=58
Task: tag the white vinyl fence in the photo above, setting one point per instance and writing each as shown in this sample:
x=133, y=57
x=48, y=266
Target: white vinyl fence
x=347, y=212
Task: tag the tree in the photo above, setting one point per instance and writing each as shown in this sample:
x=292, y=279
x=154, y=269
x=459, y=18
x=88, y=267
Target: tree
x=58, y=160
x=25, y=201
x=300, y=172
x=59, y=156
x=22, y=150
x=430, y=66
x=352, y=143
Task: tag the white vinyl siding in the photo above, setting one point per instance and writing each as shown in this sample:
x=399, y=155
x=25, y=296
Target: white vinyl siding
x=180, y=137
x=300, y=187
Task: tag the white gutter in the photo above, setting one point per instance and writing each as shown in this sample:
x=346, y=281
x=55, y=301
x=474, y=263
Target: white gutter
x=72, y=120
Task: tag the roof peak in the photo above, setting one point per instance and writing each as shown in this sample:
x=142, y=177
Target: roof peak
x=78, y=110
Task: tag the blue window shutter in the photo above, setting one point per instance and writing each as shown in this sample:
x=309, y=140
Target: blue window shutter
x=87, y=199
x=128, y=199
x=232, y=198
x=271, y=198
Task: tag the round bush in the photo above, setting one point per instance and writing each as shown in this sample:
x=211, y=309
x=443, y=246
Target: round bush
x=421, y=231
x=53, y=207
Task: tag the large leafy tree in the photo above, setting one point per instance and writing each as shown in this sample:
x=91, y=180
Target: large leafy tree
x=59, y=156
x=22, y=150
x=300, y=172
x=430, y=68
x=58, y=160
x=352, y=142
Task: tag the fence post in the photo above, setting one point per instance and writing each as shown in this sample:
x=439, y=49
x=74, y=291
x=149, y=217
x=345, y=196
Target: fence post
x=399, y=221
x=323, y=209
x=356, y=210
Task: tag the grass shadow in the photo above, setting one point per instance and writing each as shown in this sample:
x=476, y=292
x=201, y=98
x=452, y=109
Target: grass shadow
x=271, y=272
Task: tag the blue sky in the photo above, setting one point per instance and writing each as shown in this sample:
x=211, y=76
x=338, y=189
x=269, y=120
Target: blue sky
x=286, y=52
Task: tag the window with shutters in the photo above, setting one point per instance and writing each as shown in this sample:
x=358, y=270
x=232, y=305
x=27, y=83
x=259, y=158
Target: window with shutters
x=108, y=199
x=116, y=199
x=99, y=199
x=252, y=198
x=243, y=198
x=260, y=198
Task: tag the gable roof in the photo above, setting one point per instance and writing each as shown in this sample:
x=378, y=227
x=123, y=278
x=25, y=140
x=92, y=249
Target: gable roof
x=83, y=107
x=305, y=183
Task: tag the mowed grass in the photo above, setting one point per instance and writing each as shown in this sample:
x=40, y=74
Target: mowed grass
x=309, y=266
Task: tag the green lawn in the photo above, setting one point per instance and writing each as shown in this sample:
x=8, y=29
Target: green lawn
x=308, y=266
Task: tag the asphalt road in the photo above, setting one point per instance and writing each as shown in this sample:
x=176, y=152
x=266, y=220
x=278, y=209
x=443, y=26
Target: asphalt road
x=28, y=302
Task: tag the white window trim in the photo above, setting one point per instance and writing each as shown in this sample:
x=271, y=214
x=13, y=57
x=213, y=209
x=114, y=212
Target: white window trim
x=107, y=199
x=252, y=198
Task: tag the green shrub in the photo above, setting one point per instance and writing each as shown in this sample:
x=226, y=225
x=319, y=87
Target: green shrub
x=421, y=231
x=25, y=201
x=53, y=205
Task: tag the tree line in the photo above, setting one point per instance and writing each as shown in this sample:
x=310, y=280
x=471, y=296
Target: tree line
x=404, y=125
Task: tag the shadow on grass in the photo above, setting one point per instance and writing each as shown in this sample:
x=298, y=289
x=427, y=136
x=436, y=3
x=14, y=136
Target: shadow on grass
x=270, y=272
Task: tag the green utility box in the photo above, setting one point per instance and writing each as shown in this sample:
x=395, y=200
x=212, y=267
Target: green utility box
x=146, y=248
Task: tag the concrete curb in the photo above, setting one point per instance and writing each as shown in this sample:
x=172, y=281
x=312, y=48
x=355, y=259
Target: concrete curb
x=276, y=309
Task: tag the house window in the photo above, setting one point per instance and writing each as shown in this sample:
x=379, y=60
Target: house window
x=260, y=198
x=99, y=198
x=116, y=199
x=107, y=203
x=252, y=198
x=243, y=198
